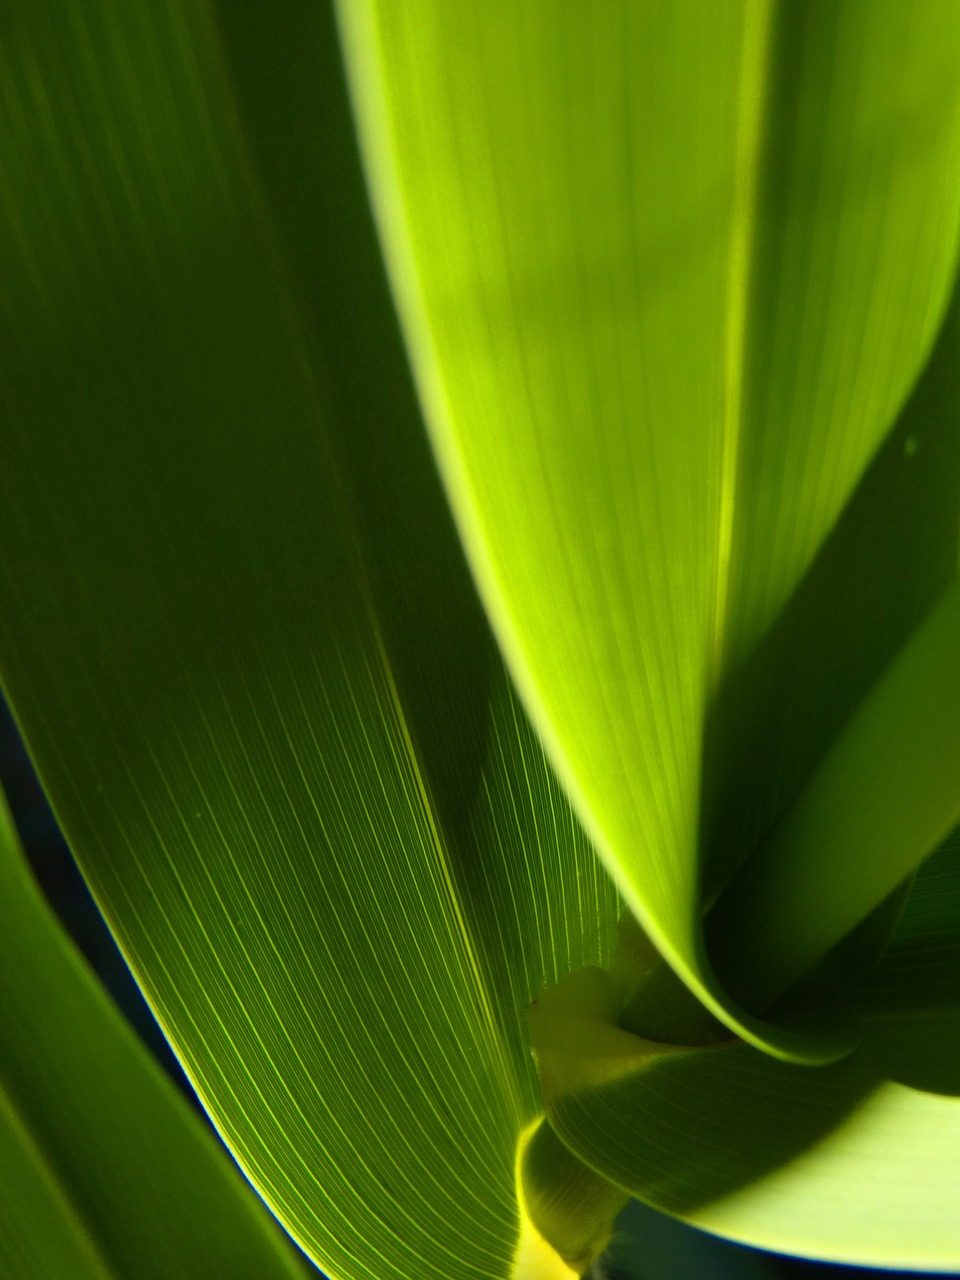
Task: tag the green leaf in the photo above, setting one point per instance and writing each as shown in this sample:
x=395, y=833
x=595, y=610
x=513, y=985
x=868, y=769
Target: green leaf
x=885, y=793
x=299, y=783
x=884, y=565
x=105, y=1173
x=338, y=880
x=918, y=976
x=887, y=564
x=42, y=1236
x=848, y=1163
x=658, y=334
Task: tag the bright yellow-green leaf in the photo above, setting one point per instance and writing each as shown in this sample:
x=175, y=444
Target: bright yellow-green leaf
x=851, y=1163
x=667, y=278
x=105, y=1173
x=884, y=565
x=667, y=274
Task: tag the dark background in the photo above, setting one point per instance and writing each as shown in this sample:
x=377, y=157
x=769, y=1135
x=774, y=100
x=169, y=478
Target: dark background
x=671, y=1251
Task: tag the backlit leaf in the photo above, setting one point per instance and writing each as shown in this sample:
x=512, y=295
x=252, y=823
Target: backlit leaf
x=667, y=277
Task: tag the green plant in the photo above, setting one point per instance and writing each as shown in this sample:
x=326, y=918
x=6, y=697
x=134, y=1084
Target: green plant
x=675, y=283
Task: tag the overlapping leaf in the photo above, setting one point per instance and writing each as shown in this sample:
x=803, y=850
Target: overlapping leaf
x=850, y=1162
x=667, y=277
x=336, y=864
x=235, y=626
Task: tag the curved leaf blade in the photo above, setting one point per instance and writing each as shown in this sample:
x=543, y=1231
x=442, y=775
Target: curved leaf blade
x=886, y=792
x=192, y=638
x=40, y=1235
x=645, y=429
x=106, y=1173
x=847, y=1163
